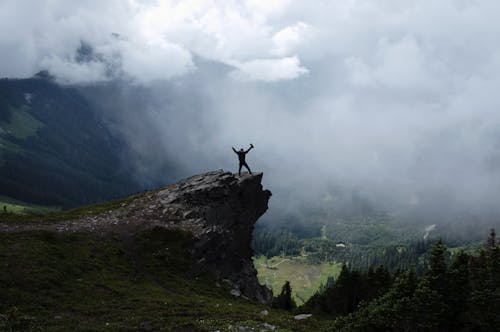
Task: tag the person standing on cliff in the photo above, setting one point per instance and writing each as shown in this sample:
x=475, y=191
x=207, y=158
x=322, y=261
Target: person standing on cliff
x=241, y=156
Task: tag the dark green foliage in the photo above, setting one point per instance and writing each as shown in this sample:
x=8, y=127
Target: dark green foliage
x=277, y=243
x=360, y=254
x=437, y=266
x=139, y=282
x=5, y=113
x=350, y=289
x=376, y=282
x=284, y=300
x=485, y=285
x=458, y=291
x=151, y=254
x=329, y=282
x=457, y=294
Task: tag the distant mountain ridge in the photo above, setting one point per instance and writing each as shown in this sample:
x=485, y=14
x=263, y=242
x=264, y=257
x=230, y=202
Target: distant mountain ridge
x=54, y=147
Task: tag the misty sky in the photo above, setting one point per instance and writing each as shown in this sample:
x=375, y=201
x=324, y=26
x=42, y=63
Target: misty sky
x=394, y=101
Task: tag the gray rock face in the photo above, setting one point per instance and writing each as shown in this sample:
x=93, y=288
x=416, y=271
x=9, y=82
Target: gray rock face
x=221, y=211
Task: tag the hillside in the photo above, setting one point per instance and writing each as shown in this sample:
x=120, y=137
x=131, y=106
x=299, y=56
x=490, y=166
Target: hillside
x=55, y=149
x=177, y=258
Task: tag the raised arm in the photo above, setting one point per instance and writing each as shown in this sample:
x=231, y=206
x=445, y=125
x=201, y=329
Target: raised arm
x=250, y=148
x=235, y=150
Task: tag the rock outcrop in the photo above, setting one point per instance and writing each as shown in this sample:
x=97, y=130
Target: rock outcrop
x=218, y=208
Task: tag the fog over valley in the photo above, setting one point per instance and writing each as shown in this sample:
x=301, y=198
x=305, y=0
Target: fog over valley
x=360, y=107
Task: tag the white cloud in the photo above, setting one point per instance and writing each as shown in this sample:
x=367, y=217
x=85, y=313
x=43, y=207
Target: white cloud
x=288, y=39
x=269, y=70
x=396, y=98
x=157, y=37
x=52, y=31
x=71, y=72
x=158, y=61
x=267, y=6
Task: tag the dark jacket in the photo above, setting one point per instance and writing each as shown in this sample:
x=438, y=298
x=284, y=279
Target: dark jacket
x=242, y=154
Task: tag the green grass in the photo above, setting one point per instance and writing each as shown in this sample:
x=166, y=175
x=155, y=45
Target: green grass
x=15, y=206
x=6, y=145
x=305, y=278
x=81, y=282
x=54, y=214
x=22, y=124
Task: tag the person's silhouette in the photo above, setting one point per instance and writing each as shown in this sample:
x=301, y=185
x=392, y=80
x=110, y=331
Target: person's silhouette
x=241, y=156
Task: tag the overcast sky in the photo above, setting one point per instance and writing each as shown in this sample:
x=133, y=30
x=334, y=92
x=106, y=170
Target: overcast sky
x=394, y=100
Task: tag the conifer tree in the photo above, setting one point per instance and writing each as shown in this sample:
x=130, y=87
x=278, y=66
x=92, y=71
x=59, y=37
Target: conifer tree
x=285, y=300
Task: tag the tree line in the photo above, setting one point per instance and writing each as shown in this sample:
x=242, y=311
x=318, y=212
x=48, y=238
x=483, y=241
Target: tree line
x=393, y=256
x=456, y=292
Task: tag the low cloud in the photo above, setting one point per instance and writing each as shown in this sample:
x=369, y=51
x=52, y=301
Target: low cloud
x=269, y=70
x=72, y=72
x=290, y=38
x=392, y=102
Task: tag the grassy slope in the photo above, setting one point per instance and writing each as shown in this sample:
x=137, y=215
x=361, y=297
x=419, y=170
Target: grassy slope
x=22, y=124
x=47, y=214
x=305, y=278
x=79, y=282
x=19, y=207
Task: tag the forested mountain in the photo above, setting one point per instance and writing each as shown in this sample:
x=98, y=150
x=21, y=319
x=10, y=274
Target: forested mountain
x=54, y=147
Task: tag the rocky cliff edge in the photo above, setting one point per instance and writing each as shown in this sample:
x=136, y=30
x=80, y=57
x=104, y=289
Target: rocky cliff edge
x=218, y=208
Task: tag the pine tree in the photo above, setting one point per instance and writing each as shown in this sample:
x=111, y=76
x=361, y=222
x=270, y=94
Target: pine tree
x=485, y=294
x=437, y=267
x=285, y=300
x=458, y=291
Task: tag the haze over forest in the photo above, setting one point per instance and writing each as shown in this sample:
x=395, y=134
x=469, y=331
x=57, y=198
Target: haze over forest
x=393, y=103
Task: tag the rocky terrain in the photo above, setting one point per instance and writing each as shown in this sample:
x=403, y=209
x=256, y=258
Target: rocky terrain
x=218, y=208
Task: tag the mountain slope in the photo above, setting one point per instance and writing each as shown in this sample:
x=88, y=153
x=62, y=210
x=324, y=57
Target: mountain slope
x=54, y=149
x=217, y=208
x=177, y=258
x=83, y=282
